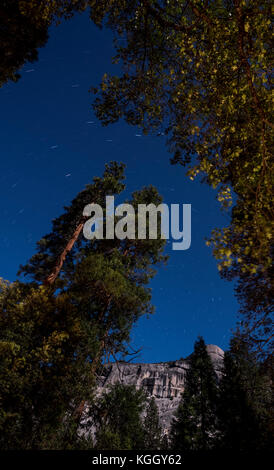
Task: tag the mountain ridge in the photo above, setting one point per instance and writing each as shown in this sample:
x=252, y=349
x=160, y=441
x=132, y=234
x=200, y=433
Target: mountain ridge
x=162, y=380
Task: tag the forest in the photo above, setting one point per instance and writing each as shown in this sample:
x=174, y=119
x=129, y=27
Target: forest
x=196, y=74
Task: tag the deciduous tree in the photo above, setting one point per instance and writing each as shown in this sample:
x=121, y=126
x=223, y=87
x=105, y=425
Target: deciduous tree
x=199, y=72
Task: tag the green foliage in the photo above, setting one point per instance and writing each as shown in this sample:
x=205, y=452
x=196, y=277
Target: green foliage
x=40, y=372
x=232, y=414
x=52, y=245
x=153, y=439
x=54, y=337
x=194, y=427
x=24, y=28
x=105, y=279
x=245, y=405
x=119, y=418
x=201, y=74
x=20, y=37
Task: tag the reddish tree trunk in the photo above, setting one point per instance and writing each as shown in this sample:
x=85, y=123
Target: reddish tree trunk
x=50, y=279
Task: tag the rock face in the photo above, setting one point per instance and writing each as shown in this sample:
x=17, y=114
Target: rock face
x=164, y=381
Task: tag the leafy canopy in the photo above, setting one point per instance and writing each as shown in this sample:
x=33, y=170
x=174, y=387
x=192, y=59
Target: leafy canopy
x=119, y=418
x=200, y=73
x=55, y=336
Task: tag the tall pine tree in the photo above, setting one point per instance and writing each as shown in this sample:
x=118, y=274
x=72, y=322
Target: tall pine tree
x=245, y=401
x=153, y=431
x=78, y=311
x=194, y=427
x=119, y=421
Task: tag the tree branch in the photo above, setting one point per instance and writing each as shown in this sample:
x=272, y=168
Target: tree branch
x=246, y=65
x=50, y=279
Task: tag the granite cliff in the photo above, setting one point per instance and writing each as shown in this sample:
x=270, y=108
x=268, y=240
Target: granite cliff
x=164, y=381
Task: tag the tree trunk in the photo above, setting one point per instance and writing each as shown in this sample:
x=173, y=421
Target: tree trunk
x=50, y=279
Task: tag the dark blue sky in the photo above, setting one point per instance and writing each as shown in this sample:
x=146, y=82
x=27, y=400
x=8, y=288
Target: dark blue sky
x=51, y=145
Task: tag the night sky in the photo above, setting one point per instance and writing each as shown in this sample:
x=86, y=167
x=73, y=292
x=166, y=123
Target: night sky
x=51, y=145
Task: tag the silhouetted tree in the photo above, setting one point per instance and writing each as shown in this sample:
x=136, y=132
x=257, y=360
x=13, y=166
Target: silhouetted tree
x=54, y=335
x=195, y=427
x=119, y=413
x=152, y=428
x=24, y=26
x=245, y=401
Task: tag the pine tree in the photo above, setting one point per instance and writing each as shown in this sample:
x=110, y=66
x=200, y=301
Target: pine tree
x=199, y=73
x=244, y=404
x=56, y=251
x=119, y=420
x=54, y=335
x=153, y=430
x=165, y=445
x=194, y=427
x=106, y=279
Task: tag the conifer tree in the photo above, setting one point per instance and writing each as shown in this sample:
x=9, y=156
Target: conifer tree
x=100, y=289
x=152, y=428
x=119, y=421
x=57, y=250
x=245, y=401
x=165, y=445
x=194, y=427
